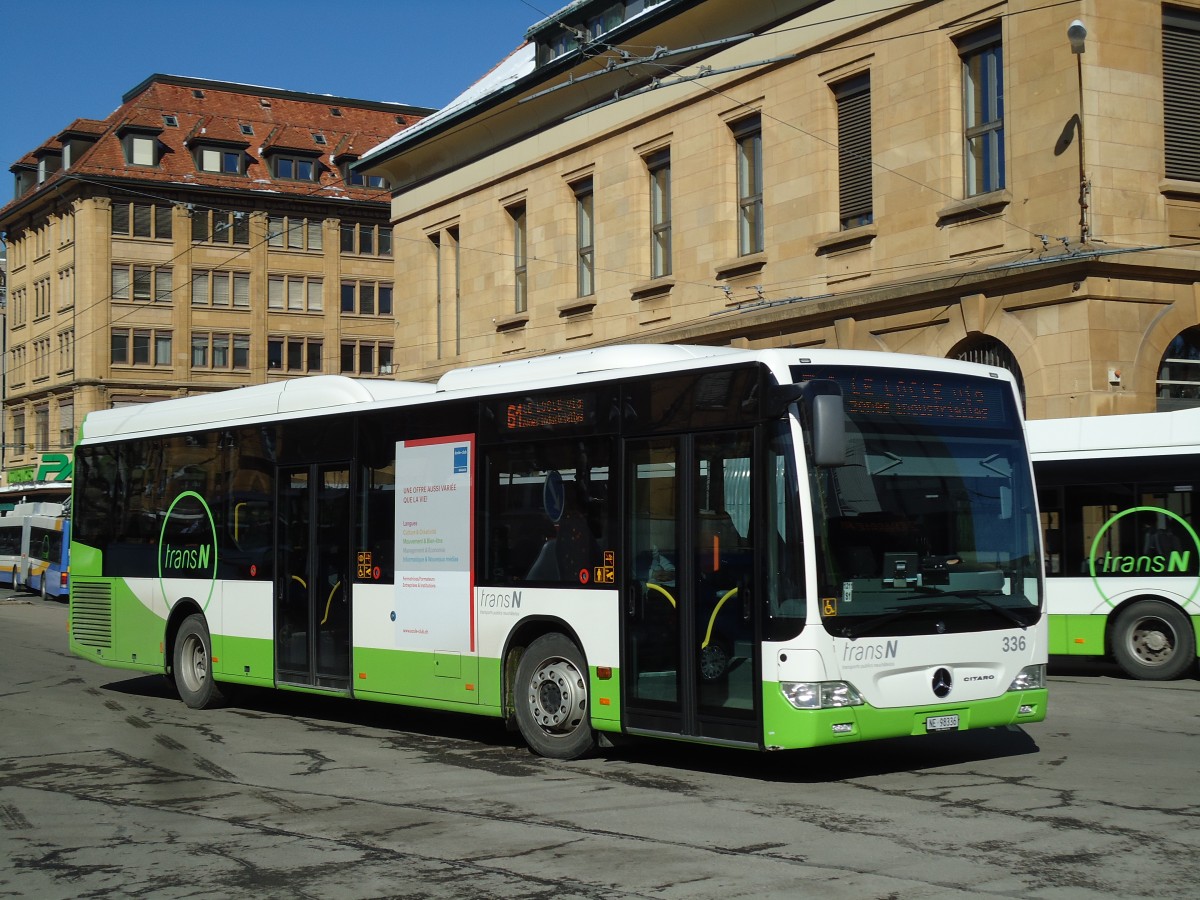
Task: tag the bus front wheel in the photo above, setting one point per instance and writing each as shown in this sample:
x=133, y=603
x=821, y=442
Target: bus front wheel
x=1153, y=641
x=551, y=698
x=193, y=665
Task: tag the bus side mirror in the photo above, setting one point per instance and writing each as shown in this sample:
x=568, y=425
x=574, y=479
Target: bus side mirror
x=827, y=424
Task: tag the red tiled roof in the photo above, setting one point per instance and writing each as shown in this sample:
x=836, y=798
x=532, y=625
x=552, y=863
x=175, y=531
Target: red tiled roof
x=279, y=119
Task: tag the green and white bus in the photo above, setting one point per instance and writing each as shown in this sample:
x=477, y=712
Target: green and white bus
x=1118, y=498
x=773, y=549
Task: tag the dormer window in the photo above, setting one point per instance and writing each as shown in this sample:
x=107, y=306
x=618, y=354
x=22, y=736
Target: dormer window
x=48, y=164
x=358, y=179
x=220, y=160
x=295, y=168
x=141, y=147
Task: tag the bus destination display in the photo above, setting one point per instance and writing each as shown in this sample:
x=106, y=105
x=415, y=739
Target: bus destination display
x=930, y=397
x=541, y=413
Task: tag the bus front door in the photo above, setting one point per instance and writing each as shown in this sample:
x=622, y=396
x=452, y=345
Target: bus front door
x=690, y=631
x=312, y=588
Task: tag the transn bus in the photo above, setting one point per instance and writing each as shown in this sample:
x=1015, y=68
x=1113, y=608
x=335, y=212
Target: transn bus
x=759, y=549
x=1118, y=497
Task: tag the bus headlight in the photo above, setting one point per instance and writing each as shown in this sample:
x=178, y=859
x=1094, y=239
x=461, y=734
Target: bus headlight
x=1030, y=678
x=820, y=694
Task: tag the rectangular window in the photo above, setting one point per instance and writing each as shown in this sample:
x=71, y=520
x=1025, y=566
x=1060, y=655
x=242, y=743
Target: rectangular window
x=199, y=288
x=162, y=348
x=241, y=290
x=220, y=289
x=141, y=283
x=66, y=423
x=225, y=162
x=142, y=217
x=315, y=290
x=520, y=267
x=141, y=220
x=659, y=166
x=241, y=351
x=748, y=134
x=315, y=238
x=163, y=291
x=1181, y=92
x=585, y=238
x=119, y=346
x=141, y=347
x=220, y=351
x=983, y=111
x=360, y=358
x=275, y=228
x=199, y=351
x=162, y=222
x=854, y=152
x=120, y=218
x=293, y=168
x=385, y=299
x=141, y=150
x=300, y=354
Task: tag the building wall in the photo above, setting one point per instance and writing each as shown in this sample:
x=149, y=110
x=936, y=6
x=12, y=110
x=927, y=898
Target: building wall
x=1074, y=301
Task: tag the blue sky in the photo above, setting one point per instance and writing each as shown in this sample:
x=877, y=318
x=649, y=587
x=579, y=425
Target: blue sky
x=75, y=59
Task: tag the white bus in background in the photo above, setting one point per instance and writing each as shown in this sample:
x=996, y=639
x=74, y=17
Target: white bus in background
x=1118, y=498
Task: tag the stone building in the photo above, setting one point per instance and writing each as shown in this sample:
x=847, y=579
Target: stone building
x=205, y=235
x=963, y=178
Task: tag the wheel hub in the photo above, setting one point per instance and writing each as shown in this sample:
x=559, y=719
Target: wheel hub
x=557, y=695
x=1152, y=642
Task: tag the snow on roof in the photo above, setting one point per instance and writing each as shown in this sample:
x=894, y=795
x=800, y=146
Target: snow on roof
x=513, y=68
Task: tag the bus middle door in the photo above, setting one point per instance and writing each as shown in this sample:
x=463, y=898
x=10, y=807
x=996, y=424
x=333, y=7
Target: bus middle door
x=690, y=664
x=312, y=586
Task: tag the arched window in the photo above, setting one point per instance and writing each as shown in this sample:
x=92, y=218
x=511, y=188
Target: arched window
x=1179, y=372
x=990, y=352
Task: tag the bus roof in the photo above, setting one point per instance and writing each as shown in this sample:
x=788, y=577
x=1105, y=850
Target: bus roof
x=261, y=401
x=577, y=362
x=1177, y=431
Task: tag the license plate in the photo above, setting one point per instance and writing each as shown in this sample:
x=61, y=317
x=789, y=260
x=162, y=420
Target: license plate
x=941, y=723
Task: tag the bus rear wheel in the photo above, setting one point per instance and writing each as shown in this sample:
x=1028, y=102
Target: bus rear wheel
x=551, y=697
x=1153, y=641
x=193, y=665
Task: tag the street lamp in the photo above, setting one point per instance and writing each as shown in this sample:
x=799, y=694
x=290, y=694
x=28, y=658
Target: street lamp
x=1077, y=35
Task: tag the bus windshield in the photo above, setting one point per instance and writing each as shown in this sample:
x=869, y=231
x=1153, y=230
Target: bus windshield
x=930, y=524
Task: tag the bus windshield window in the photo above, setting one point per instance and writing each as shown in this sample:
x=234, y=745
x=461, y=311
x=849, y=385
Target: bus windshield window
x=931, y=519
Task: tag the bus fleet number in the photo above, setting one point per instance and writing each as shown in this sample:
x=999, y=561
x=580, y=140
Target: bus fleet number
x=1013, y=644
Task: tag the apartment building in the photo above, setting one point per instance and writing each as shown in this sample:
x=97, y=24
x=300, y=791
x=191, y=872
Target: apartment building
x=966, y=178
x=205, y=235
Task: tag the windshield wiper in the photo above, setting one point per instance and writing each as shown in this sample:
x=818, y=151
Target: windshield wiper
x=895, y=612
x=982, y=597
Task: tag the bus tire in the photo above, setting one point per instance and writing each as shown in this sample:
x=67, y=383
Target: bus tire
x=1153, y=641
x=45, y=594
x=551, y=698
x=193, y=665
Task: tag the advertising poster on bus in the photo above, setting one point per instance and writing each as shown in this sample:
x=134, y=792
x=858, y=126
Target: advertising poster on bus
x=433, y=544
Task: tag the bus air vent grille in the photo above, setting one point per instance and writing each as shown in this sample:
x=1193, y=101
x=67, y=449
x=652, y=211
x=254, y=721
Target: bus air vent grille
x=91, y=613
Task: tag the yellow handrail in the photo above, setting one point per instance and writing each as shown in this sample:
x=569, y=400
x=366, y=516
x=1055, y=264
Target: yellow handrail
x=662, y=590
x=713, y=618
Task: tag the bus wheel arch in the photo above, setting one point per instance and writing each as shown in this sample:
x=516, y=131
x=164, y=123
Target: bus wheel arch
x=189, y=650
x=547, y=687
x=1151, y=638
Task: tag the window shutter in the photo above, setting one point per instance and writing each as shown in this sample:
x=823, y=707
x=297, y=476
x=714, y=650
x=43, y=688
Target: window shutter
x=162, y=222
x=241, y=290
x=1181, y=93
x=854, y=152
